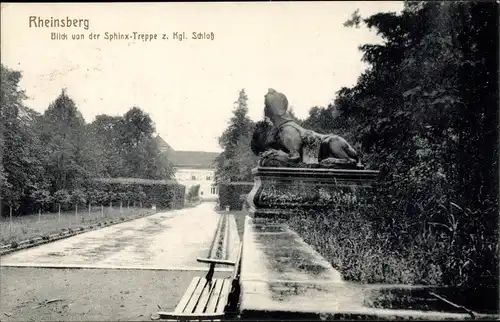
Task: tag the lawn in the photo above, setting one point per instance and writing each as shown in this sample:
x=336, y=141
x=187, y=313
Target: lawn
x=38, y=225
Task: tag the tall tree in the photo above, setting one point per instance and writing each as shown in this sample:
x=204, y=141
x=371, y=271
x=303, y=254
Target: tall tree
x=105, y=138
x=320, y=119
x=139, y=151
x=426, y=113
x=21, y=169
x=64, y=137
x=236, y=160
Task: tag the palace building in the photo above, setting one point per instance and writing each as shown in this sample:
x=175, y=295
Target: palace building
x=193, y=168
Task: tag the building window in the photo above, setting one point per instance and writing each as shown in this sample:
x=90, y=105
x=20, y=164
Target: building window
x=209, y=178
x=193, y=177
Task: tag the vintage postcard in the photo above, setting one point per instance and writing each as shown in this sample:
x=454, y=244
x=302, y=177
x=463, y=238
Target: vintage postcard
x=249, y=160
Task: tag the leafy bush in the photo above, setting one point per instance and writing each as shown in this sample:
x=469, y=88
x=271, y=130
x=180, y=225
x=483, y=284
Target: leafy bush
x=148, y=192
x=63, y=198
x=102, y=197
x=380, y=242
x=233, y=195
x=92, y=196
x=78, y=197
x=193, y=193
x=42, y=198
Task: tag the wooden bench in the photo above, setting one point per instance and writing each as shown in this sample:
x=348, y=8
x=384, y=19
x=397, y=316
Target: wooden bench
x=208, y=298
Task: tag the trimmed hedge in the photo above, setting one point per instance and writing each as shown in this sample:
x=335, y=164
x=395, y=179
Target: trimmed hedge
x=164, y=194
x=233, y=195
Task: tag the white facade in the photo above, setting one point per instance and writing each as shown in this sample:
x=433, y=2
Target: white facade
x=204, y=177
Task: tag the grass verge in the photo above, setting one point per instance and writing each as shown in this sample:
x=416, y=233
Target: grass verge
x=365, y=253
x=32, y=226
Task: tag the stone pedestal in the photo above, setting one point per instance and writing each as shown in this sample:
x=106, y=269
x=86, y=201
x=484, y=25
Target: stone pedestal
x=279, y=192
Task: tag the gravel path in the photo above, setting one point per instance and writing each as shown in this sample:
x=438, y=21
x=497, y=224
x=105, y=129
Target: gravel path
x=118, y=273
x=172, y=239
x=44, y=294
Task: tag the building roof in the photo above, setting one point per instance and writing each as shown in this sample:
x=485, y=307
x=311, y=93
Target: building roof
x=136, y=180
x=187, y=159
x=193, y=159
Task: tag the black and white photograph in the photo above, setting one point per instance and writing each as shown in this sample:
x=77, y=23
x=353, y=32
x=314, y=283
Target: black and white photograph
x=279, y=160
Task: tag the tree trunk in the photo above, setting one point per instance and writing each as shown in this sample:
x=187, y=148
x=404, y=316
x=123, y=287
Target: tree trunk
x=39, y=214
x=10, y=220
x=59, y=214
x=102, y=211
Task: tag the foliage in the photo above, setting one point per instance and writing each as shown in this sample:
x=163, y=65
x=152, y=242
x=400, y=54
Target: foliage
x=78, y=197
x=21, y=170
x=102, y=197
x=163, y=195
x=354, y=21
x=424, y=113
x=62, y=135
x=61, y=198
x=138, y=149
x=92, y=196
x=51, y=154
x=42, y=198
x=236, y=160
x=105, y=137
x=193, y=193
x=231, y=195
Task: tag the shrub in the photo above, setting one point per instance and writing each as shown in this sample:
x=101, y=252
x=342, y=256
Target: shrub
x=78, y=197
x=63, y=198
x=164, y=194
x=193, y=193
x=388, y=242
x=233, y=195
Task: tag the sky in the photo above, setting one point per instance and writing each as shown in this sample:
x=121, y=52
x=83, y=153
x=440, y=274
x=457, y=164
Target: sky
x=188, y=87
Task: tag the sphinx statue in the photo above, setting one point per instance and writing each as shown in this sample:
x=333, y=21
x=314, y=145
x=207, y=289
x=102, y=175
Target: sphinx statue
x=281, y=142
